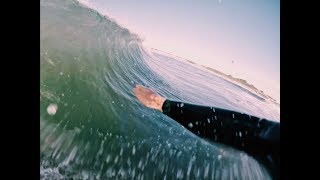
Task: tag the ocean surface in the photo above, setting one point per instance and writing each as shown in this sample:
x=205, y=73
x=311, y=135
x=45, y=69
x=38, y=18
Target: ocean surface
x=92, y=126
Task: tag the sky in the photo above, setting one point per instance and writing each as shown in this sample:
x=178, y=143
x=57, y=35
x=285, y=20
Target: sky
x=237, y=37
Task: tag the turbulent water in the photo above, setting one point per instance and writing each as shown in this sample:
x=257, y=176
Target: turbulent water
x=92, y=126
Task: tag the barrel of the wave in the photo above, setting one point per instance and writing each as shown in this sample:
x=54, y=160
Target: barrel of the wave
x=91, y=125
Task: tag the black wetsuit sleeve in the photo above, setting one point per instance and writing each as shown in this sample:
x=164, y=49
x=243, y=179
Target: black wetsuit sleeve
x=258, y=137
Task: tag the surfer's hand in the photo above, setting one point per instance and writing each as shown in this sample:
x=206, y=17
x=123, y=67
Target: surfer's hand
x=148, y=97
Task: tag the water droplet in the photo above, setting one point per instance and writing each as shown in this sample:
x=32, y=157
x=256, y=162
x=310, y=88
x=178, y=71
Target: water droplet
x=121, y=105
x=62, y=94
x=61, y=73
x=128, y=162
x=108, y=158
x=134, y=150
x=52, y=109
x=179, y=174
x=232, y=115
x=219, y=157
x=181, y=105
x=179, y=153
x=190, y=125
x=206, y=171
x=112, y=102
x=116, y=159
x=140, y=164
x=240, y=134
x=208, y=120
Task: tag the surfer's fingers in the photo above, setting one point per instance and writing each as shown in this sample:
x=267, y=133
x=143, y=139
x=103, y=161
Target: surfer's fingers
x=143, y=92
x=135, y=91
x=143, y=88
x=139, y=86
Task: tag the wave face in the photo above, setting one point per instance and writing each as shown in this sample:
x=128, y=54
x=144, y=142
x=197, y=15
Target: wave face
x=92, y=126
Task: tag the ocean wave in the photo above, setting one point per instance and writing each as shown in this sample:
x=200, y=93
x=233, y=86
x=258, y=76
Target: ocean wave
x=89, y=65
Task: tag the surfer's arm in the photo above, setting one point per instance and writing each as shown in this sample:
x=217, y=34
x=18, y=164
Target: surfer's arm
x=256, y=136
x=233, y=128
x=229, y=127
